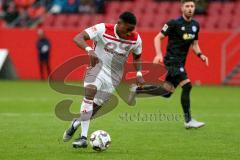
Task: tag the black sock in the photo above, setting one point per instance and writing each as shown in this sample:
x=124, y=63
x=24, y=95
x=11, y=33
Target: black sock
x=185, y=100
x=153, y=90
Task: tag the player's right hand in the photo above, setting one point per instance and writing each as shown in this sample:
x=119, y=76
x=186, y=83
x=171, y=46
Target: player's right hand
x=93, y=58
x=158, y=59
x=204, y=59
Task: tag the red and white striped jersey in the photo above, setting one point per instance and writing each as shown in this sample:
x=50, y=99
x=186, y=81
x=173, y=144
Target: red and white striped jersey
x=112, y=50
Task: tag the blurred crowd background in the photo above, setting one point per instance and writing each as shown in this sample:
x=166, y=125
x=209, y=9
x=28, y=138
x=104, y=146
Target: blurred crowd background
x=78, y=13
x=37, y=34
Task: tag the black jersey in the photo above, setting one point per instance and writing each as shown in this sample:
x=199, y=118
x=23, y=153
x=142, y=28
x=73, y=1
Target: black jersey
x=181, y=35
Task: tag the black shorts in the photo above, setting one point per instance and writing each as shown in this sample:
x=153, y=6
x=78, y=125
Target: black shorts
x=176, y=75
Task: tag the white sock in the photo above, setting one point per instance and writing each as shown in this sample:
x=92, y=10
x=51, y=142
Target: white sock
x=85, y=126
x=86, y=113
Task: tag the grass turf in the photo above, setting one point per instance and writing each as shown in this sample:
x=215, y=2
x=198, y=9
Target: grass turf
x=30, y=129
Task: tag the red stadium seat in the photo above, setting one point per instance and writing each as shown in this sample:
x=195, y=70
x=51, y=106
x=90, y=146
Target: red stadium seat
x=139, y=7
x=72, y=21
x=113, y=7
x=174, y=15
x=228, y=8
x=215, y=5
x=60, y=20
x=235, y=24
x=97, y=19
x=152, y=15
x=152, y=7
x=159, y=23
x=201, y=20
x=144, y=2
x=111, y=18
x=211, y=22
x=164, y=7
x=126, y=6
x=84, y=21
x=226, y=16
x=237, y=8
x=146, y=21
x=214, y=8
x=198, y=17
x=48, y=20
x=224, y=24
x=175, y=8
x=139, y=13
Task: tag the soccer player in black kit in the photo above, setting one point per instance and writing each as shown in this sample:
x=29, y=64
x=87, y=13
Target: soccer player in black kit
x=183, y=34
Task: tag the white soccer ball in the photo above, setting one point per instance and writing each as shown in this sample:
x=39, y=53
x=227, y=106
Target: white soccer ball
x=100, y=140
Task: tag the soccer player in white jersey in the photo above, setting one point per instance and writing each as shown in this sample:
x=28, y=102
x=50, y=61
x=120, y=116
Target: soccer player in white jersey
x=112, y=45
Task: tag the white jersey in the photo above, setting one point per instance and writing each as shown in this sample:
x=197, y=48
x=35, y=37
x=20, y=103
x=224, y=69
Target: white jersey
x=112, y=50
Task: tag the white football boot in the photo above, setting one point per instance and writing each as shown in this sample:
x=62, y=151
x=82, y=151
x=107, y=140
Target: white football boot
x=80, y=142
x=193, y=124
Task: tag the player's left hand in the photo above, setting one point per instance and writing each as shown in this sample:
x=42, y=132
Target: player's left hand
x=158, y=59
x=140, y=81
x=93, y=58
x=204, y=59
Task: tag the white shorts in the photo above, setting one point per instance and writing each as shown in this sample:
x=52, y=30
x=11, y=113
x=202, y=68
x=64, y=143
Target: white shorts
x=101, y=78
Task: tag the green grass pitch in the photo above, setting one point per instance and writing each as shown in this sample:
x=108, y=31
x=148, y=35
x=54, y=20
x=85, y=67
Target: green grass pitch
x=29, y=128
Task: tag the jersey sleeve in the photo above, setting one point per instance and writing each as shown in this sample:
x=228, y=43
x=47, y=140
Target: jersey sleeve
x=168, y=28
x=198, y=29
x=95, y=31
x=137, y=50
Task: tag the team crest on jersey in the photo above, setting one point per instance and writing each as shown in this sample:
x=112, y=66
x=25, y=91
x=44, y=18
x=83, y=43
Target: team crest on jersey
x=194, y=28
x=183, y=28
x=181, y=69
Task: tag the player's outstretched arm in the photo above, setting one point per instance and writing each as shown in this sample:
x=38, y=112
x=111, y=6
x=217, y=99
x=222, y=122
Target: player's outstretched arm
x=80, y=40
x=158, y=45
x=198, y=52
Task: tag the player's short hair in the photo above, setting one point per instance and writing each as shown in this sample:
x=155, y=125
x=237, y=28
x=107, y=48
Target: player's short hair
x=184, y=1
x=128, y=17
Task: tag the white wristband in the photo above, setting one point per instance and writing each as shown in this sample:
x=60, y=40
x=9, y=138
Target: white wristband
x=88, y=49
x=139, y=74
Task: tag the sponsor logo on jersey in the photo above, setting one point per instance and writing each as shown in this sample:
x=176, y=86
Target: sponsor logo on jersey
x=187, y=36
x=110, y=48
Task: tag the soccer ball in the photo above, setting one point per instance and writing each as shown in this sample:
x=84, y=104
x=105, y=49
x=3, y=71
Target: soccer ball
x=100, y=140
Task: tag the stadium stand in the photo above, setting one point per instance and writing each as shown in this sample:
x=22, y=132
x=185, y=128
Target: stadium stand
x=151, y=13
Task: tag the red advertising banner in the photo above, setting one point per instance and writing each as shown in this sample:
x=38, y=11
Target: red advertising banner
x=21, y=44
